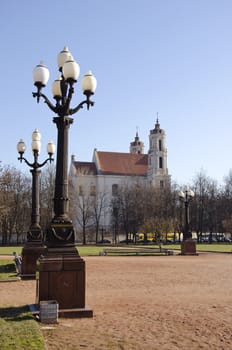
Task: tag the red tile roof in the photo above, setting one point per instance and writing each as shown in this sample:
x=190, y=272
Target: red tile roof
x=112, y=163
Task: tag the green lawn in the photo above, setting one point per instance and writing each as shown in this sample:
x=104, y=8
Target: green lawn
x=7, y=270
x=89, y=250
x=83, y=250
x=19, y=330
x=220, y=247
x=226, y=248
x=8, y=250
x=94, y=250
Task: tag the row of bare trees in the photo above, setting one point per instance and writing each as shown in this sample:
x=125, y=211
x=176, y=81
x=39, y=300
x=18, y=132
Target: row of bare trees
x=139, y=209
x=15, y=203
x=133, y=209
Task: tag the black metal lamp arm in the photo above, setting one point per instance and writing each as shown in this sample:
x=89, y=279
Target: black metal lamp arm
x=21, y=158
x=63, y=108
x=35, y=164
x=78, y=107
x=46, y=100
x=50, y=159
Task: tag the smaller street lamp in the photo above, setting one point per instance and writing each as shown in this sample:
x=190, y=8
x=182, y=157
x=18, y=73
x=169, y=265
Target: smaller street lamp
x=34, y=246
x=188, y=246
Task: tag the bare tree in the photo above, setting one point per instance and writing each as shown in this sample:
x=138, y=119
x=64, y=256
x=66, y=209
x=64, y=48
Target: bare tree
x=14, y=203
x=98, y=203
x=227, y=225
x=127, y=209
x=84, y=214
x=47, y=194
x=81, y=209
x=204, y=207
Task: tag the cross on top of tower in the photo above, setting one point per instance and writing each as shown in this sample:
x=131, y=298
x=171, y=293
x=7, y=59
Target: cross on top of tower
x=137, y=134
x=157, y=125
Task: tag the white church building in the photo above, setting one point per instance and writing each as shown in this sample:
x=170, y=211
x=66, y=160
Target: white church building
x=110, y=170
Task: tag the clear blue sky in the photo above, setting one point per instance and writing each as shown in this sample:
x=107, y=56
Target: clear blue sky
x=168, y=56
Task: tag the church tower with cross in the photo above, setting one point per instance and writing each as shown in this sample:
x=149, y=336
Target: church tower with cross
x=157, y=171
x=137, y=146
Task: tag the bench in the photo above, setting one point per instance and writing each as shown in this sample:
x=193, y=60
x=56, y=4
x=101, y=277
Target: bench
x=136, y=251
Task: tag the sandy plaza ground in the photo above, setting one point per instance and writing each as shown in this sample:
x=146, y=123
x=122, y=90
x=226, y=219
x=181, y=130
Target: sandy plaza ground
x=145, y=303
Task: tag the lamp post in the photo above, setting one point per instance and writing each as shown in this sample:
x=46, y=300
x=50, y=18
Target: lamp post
x=188, y=246
x=34, y=246
x=68, y=286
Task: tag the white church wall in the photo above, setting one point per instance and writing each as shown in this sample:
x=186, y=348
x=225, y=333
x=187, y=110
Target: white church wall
x=104, y=184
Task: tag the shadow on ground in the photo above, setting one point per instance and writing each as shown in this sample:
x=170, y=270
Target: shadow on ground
x=17, y=313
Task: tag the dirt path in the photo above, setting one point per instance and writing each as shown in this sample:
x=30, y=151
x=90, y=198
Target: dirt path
x=145, y=303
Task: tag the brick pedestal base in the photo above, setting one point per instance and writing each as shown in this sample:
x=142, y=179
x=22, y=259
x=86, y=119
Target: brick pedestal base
x=62, y=278
x=30, y=254
x=188, y=247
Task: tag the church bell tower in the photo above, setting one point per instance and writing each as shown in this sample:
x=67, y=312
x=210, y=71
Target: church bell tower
x=137, y=146
x=157, y=158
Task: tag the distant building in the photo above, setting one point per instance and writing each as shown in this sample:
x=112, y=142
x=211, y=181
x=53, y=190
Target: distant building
x=110, y=170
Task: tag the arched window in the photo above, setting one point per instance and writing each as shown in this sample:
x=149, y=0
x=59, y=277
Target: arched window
x=114, y=189
x=81, y=193
x=92, y=190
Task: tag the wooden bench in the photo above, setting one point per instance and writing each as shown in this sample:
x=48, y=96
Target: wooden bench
x=136, y=251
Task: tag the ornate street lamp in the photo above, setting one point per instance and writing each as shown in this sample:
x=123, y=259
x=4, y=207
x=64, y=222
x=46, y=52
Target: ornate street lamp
x=188, y=246
x=34, y=246
x=60, y=238
x=61, y=232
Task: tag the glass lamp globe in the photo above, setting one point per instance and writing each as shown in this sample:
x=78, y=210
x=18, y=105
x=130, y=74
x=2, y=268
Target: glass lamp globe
x=21, y=147
x=36, y=143
x=71, y=70
x=181, y=195
x=62, y=57
x=89, y=82
x=56, y=89
x=40, y=75
x=51, y=148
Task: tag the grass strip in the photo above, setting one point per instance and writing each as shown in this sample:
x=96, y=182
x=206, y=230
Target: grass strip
x=7, y=270
x=220, y=248
x=93, y=250
x=19, y=330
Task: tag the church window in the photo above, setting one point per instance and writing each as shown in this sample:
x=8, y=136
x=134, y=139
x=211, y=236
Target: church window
x=161, y=184
x=81, y=191
x=114, y=190
x=160, y=162
x=160, y=145
x=92, y=190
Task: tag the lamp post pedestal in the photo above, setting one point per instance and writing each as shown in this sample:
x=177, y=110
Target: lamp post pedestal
x=62, y=278
x=188, y=247
x=30, y=254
